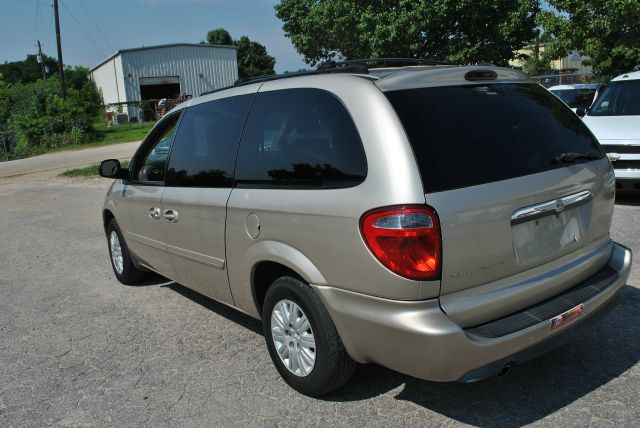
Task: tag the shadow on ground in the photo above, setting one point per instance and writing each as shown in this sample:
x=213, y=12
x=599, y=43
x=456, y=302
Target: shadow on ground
x=530, y=392
x=631, y=200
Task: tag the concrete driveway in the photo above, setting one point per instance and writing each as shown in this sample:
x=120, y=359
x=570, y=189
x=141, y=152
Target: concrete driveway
x=79, y=349
x=67, y=159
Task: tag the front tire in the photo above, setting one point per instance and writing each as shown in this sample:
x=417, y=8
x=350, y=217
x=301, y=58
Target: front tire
x=302, y=340
x=121, y=261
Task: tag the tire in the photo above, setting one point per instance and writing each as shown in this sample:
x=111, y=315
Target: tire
x=332, y=367
x=124, y=269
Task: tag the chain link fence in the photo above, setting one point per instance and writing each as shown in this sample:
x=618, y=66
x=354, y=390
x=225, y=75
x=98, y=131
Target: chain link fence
x=550, y=80
x=7, y=144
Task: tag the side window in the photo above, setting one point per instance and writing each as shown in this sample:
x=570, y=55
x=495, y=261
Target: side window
x=300, y=137
x=206, y=144
x=152, y=164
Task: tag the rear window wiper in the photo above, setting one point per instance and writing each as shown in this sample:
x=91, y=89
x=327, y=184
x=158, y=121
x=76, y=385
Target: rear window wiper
x=573, y=156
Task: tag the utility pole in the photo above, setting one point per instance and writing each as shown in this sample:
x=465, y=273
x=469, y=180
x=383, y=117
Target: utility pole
x=63, y=92
x=41, y=61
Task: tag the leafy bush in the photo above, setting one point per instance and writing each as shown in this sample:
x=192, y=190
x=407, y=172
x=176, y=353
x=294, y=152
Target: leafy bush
x=40, y=119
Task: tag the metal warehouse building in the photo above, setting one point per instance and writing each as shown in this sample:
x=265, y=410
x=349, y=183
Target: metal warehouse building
x=164, y=71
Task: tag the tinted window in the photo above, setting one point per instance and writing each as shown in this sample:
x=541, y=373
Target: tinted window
x=152, y=162
x=205, y=147
x=575, y=98
x=618, y=99
x=300, y=137
x=468, y=135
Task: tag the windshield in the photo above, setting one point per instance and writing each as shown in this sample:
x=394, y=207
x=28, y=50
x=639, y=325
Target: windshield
x=575, y=98
x=618, y=99
x=468, y=135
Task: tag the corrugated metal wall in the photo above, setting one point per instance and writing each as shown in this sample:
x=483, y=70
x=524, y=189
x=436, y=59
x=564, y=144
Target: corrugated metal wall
x=109, y=80
x=200, y=68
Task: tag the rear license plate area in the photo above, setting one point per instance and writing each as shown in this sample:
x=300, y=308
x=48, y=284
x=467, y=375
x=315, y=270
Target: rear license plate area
x=547, y=236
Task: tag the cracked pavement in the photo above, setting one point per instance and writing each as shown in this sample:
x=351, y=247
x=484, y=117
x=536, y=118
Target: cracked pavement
x=79, y=349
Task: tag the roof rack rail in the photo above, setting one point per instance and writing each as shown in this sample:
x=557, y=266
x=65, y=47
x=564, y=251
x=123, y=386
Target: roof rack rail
x=418, y=61
x=356, y=66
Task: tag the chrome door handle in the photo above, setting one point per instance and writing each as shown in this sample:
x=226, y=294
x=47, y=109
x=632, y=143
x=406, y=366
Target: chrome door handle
x=154, y=212
x=170, y=215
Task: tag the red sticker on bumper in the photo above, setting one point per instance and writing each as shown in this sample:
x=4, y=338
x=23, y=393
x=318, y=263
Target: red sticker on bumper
x=566, y=317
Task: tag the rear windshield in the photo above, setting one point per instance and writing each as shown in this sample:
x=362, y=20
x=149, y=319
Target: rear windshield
x=575, y=98
x=618, y=99
x=468, y=135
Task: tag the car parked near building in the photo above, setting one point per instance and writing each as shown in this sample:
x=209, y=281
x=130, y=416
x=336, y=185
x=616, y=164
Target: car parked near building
x=443, y=221
x=576, y=95
x=614, y=119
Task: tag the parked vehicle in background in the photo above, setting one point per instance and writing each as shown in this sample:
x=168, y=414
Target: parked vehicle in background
x=443, y=221
x=577, y=95
x=614, y=118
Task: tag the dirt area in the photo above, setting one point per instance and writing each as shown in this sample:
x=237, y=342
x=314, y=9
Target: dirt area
x=78, y=348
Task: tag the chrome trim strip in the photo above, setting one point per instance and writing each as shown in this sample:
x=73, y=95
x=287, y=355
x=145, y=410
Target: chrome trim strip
x=196, y=257
x=146, y=241
x=552, y=207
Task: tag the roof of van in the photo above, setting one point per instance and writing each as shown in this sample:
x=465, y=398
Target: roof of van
x=407, y=77
x=418, y=77
x=633, y=75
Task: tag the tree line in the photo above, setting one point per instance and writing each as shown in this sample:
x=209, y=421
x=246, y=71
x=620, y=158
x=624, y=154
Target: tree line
x=465, y=31
x=33, y=115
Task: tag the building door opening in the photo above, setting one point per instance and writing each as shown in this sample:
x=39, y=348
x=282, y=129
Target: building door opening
x=157, y=88
x=157, y=92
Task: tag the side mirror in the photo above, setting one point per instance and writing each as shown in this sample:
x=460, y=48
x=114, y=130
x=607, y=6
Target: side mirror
x=111, y=168
x=581, y=111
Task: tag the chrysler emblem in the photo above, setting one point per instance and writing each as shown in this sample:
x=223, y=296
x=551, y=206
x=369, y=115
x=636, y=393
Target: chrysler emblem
x=559, y=205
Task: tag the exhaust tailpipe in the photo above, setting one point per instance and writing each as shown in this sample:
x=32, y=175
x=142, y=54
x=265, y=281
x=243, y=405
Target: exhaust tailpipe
x=504, y=371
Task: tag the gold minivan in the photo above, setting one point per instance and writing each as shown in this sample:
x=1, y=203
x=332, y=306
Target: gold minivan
x=444, y=221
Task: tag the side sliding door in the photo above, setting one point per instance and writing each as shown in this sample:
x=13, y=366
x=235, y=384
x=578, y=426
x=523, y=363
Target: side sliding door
x=199, y=181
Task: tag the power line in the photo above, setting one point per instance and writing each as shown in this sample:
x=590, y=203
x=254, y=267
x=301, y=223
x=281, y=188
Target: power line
x=38, y=20
x=32, y=2
x=97, y=26
x=48, y=35
x=82, y=28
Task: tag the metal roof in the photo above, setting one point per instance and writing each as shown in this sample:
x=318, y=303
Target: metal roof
x=171, y=45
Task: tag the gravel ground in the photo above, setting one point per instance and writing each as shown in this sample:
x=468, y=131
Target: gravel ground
x=78, y=348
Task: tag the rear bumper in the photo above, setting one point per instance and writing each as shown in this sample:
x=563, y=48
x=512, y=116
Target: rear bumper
x=417, y=337
x=628, y=185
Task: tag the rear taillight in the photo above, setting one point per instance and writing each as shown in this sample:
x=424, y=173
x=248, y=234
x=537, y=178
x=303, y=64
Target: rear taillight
x=406, y=239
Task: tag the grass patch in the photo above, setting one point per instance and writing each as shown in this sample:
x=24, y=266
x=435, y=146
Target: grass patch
x=122, y=133
x=90, y=171
x=107, y=135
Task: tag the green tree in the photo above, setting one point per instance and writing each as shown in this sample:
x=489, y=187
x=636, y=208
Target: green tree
x=27, y=70
x=607, y=31
x=219, y=36
x=464, y=31
x=253, y=58
x=76, y=77
x=536, y=63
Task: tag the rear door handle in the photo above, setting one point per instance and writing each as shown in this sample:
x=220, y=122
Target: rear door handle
x=170, y=215
x=154, y=212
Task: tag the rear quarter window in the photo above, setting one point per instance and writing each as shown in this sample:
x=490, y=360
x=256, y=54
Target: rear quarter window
x=300, y=138
x=468, y=135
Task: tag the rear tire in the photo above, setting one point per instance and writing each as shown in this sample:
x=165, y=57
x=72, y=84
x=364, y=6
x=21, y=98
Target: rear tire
x=123, y=266
x=302, y=340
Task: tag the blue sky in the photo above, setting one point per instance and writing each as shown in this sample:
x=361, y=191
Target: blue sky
x=94, y=29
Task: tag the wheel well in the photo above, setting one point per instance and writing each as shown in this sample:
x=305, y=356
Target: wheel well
x=107, y=216
x=263, y=276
